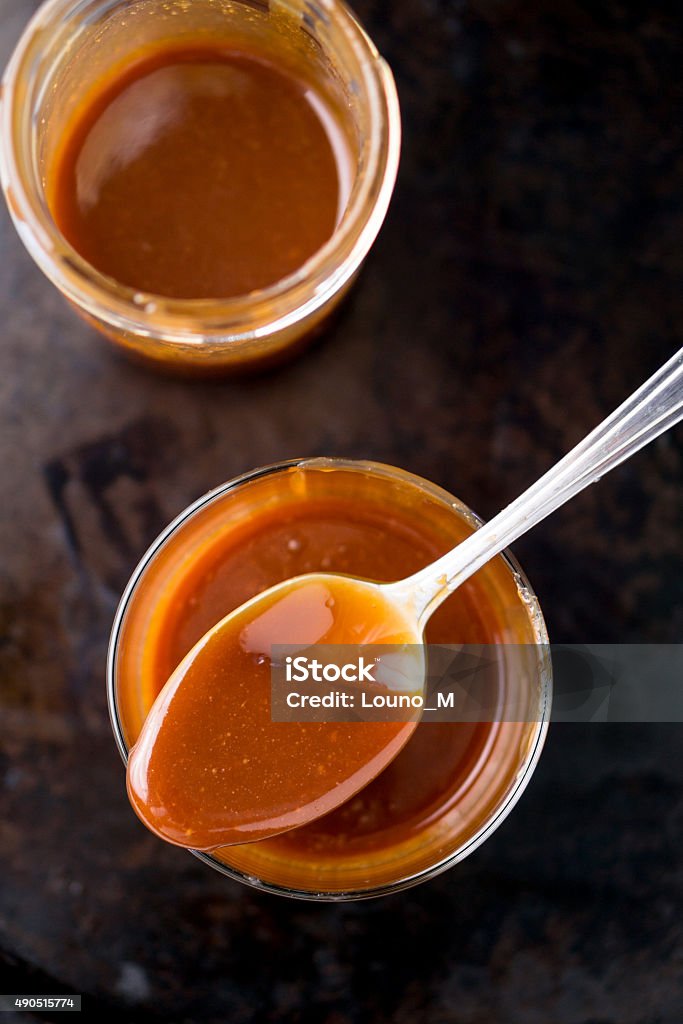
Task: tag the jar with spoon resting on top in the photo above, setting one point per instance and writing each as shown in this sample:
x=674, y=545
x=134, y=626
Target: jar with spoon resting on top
x=454, y=781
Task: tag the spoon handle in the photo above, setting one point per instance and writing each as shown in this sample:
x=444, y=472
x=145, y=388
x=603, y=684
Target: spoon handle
x=652, y=409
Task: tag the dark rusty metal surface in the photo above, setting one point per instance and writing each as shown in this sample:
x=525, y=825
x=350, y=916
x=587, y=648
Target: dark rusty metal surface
x=528, y=277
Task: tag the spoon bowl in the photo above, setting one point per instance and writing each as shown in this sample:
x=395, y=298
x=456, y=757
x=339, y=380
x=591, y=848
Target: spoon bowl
x=211, y=768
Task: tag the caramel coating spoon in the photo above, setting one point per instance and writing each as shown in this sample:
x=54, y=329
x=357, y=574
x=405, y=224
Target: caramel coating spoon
x=211, y=768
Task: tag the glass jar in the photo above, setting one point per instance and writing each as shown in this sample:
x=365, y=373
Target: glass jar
x=500, y=758
x=70, y=45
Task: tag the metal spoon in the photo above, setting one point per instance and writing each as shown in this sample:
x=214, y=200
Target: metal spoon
x=292, y=779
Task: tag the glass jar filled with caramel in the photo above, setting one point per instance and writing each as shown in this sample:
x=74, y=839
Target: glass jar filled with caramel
x=454, y=781
x=201, y=180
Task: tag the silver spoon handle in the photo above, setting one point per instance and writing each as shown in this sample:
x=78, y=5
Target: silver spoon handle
x=652, y=409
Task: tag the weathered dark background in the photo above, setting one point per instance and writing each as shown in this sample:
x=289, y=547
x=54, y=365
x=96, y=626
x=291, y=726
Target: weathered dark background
x=528, y=277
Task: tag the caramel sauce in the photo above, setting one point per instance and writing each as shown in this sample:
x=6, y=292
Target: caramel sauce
x=200, y=173
x=211, y=768
x=444, y=782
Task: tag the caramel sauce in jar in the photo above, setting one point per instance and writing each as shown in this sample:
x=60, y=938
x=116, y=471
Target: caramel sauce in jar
x=201, y=173
x=451, y=779
x=201, y=181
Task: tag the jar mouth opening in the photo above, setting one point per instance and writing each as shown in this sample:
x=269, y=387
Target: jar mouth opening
x=269, y=310
x=526, y=594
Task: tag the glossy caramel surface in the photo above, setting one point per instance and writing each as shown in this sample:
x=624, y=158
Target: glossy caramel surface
x=449, y=776
x=201, y=172
x=212, y=768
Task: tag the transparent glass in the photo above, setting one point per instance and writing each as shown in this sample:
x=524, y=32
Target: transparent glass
x=70, y=44
x=512, y=748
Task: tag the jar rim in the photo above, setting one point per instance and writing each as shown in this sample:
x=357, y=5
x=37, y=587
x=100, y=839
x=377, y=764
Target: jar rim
x=522, y=585
x=276, y=308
